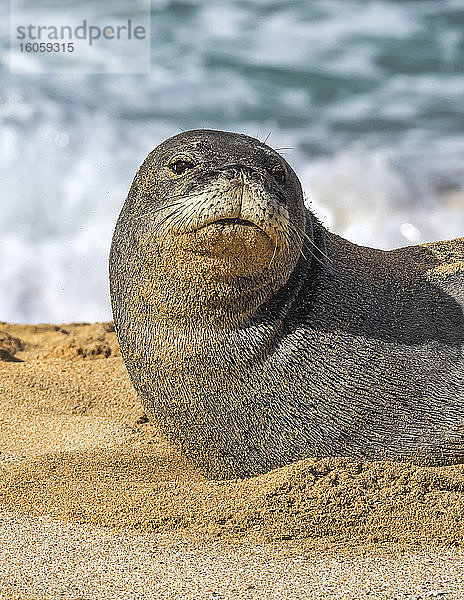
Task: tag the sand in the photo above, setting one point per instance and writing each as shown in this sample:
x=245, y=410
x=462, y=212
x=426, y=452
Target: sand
x=94, y=504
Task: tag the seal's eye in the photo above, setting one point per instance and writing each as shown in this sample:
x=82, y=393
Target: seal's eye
x=181, y=165
x=279, y=174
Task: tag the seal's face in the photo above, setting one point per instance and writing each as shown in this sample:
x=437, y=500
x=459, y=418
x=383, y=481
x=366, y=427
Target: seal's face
x=221, y=205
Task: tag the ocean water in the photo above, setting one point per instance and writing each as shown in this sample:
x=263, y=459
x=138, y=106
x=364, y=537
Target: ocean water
x=367, y=97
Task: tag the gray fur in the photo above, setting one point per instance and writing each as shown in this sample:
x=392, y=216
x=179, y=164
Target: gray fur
x=313, y=346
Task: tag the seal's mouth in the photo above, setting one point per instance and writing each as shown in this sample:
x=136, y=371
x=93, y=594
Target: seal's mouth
x=227, y=224
x=233, y=222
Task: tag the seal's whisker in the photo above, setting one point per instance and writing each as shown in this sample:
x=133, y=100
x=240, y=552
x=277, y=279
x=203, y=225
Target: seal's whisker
x=185, y=196
x=159, y=225
x=308, y=239
x=166, y=207
x=179, y=197
x=194, y=209
x=181, y=217
x=304, y=245
x=291, y=233
x=273, y=255
x=292, y=240
x=199, y=208
x=168, y=216
x=186, y=218
x=297, y=234
x=156, y=210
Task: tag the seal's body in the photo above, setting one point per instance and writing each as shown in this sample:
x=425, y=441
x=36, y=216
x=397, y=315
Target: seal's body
x=255, y=337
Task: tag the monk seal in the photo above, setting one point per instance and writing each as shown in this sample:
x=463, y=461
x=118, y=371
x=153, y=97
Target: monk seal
x=256, y=337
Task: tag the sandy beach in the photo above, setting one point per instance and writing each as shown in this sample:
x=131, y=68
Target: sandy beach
x=94, y=504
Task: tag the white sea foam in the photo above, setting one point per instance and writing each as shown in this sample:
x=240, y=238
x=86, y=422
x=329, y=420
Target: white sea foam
x=366, y=198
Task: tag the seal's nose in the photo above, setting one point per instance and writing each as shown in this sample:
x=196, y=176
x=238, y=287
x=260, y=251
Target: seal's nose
x=242, y=176
x=242, y=172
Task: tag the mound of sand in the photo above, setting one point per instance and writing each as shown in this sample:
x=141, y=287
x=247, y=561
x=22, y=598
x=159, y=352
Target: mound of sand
x=75, y=446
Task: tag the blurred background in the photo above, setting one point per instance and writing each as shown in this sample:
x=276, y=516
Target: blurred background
x=368, y=97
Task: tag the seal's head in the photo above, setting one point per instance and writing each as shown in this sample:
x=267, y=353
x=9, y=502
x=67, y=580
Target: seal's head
x=217, y=214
